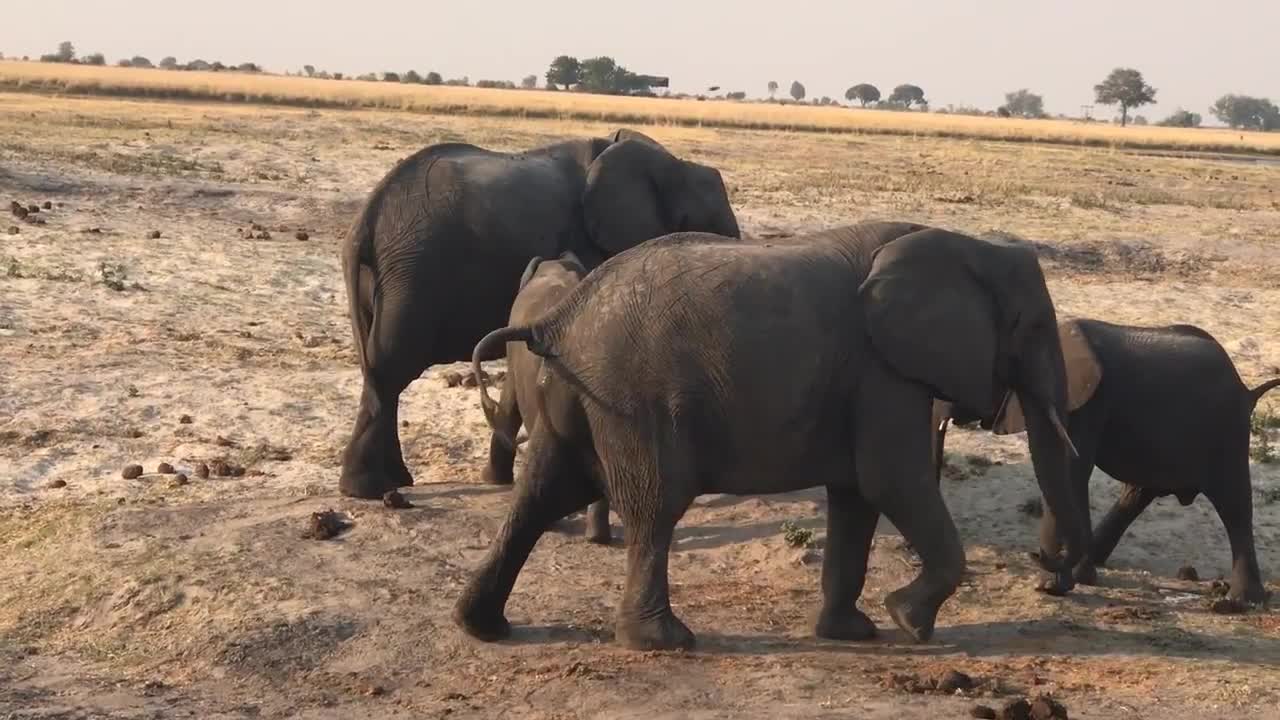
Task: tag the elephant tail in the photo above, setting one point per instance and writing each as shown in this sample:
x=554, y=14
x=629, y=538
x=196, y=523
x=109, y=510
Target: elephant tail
x=360, y=296
x=483, y=348
x=1257, y=393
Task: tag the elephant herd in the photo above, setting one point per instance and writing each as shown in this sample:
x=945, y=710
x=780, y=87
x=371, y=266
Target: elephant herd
x=655, y=355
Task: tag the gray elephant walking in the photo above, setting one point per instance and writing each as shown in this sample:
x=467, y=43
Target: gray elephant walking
x=432, y=261
x=1163, y=411
x=543, y=284
x=693, y=364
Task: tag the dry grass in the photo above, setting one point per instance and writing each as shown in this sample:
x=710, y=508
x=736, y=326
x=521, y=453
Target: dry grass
x=237, y=87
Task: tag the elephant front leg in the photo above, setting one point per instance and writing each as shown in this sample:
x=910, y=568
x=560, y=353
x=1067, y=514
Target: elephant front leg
x=894, y=468
x=851, y=525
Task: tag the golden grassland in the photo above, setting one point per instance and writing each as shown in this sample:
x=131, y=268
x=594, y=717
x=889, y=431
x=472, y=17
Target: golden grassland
x=283, y=90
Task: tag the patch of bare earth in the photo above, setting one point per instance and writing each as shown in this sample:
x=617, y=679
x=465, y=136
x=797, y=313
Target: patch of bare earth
x=227, y=355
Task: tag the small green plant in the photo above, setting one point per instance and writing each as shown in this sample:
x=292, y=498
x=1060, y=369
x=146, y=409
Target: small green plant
x=1260, y=425
x=113, y=276
x=796, y=536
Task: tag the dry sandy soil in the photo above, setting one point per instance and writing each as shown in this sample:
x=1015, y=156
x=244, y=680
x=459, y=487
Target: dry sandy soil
x=142, y=599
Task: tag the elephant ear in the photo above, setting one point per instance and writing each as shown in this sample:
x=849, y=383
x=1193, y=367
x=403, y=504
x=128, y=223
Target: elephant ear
x=529, y=270
x=569, y=258
x=1084, y=373
x=622, y=204
x=930, y=319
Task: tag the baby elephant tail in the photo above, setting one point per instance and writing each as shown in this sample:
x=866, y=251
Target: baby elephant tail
x=501, y=335
x=1257, y=393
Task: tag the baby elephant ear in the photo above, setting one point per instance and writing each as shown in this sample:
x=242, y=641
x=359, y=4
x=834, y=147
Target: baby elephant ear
x=529, y=270
x=1084, y=373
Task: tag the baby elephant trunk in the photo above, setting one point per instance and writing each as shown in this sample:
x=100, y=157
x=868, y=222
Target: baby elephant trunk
x=483, y=349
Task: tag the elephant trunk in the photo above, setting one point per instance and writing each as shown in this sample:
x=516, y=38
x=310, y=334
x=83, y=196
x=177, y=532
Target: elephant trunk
x=482, y=349
x=1043, y=394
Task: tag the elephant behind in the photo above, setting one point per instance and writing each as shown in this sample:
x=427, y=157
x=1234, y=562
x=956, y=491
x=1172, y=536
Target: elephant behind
x=433, y=260
x=692, y=364
x=543, y=284
x=1163, y=411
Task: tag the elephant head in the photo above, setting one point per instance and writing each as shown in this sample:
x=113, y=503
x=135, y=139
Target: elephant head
x=973, y=321
x=636, y=190
x=567, y=264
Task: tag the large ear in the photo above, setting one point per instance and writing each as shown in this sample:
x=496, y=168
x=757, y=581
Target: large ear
x=529, y=270
x=1084, y=373
x=929, y=317
x=622, y=204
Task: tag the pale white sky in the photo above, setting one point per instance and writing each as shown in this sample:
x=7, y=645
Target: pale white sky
x=959, y=51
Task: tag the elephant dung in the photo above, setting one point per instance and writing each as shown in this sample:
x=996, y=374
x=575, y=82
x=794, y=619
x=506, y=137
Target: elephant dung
x=131, y=472
x=202, y=471
x=55, y=484
x=452, y=379
x=48, y=205
x=1188, y=573
x=13, y=230
x=164, y=468
x=393, y=499
x=325, y=525
x=178, y=480
x=982, y=711
x=952, y=680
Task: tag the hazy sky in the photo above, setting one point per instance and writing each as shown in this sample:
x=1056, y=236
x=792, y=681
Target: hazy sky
x=959, y=51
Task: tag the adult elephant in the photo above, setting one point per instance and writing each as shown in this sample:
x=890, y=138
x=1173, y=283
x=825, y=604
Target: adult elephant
x=692, y=365
x=433, y=260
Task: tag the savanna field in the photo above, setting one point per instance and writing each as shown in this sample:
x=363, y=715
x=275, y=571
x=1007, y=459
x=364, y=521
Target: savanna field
x=180, y=301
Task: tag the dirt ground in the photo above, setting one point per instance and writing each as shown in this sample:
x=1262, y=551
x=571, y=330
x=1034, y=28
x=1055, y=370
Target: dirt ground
x=142, y=598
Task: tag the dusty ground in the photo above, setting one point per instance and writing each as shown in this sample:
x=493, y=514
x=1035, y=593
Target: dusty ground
x=134, y=598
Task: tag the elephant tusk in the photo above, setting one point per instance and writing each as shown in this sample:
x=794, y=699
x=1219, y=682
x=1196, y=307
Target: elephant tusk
x=1062, y=431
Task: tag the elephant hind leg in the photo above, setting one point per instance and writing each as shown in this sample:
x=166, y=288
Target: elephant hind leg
x=553, y=484
x=851, y=526
x=373, y=461
x=645, y=618
x=598, y=530
x=1233, y=499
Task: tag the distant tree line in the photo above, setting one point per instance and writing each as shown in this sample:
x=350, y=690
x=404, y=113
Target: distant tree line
x=1124, y=88
x=66, y=53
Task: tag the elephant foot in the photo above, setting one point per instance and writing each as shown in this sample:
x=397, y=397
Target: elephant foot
x=479, y=622
x=664, y=632
x=1086, y=574
x=368, y=485
x=914, y=616
x=1057, y=584
x=1253, y=593
x=844, y=625
x=493, y=476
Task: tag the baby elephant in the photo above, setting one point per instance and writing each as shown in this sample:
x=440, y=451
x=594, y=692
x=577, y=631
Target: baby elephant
x=1162, y=410
x=543, y=284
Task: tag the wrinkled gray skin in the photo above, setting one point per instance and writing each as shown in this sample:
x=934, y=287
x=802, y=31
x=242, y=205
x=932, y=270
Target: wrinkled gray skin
x=543, y=284
x=433, y=260
x=1169, y=416
x=693, y=364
